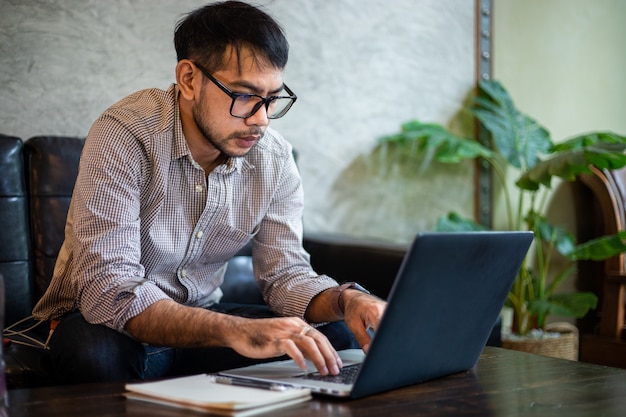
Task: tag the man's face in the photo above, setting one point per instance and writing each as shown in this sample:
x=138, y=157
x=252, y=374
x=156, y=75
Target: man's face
x=230, y=135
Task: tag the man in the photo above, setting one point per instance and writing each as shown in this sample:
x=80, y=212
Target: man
x=171, y=185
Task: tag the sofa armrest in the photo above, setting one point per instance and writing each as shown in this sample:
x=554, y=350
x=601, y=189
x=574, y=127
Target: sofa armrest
x=372, y=263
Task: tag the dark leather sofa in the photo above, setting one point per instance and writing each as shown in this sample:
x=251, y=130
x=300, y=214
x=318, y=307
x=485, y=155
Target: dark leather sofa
x=37, y=178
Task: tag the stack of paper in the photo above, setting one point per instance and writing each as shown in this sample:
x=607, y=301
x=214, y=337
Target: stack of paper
x=201, y=392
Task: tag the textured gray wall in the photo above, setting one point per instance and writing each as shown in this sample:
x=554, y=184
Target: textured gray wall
x=359, y=67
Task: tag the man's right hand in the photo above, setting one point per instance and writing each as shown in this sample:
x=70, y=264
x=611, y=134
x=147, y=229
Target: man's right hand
x=168, y=323
x=265, y=338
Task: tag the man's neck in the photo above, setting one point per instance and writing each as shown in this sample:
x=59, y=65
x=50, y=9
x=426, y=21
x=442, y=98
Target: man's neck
x=201, y=150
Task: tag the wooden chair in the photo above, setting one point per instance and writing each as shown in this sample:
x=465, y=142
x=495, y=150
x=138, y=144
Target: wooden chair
x=601, y=210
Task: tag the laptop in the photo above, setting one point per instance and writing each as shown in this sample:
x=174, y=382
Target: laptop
x=445, y=300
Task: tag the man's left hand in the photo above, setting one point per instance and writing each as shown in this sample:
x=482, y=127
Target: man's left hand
x=362, y=313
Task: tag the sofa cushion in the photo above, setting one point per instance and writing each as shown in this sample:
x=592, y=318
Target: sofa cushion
x=15, y=244
x=52, y=167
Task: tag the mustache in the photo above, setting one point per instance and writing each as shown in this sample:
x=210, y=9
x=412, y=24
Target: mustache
x=257, y=131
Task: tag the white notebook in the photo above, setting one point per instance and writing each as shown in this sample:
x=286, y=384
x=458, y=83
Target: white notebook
x=201, y=392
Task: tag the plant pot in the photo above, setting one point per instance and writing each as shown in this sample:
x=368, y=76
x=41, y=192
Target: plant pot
x=560, y=340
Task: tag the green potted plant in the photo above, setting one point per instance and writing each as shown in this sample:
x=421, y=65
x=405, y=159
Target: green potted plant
x=520, y=144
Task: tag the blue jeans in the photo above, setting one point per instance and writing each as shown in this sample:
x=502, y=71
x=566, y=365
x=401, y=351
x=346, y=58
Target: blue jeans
x=81, y=352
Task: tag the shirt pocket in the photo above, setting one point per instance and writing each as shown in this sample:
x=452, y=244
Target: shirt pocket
x=224, y=242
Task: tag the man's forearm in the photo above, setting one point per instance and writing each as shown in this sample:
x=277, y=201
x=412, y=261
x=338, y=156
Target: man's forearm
x=320, y=308
x=168, y=323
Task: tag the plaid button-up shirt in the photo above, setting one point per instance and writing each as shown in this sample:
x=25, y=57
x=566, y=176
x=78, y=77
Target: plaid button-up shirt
x=146, y=224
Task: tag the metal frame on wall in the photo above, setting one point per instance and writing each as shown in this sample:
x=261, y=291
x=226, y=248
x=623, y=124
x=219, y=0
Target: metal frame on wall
x=483, y=200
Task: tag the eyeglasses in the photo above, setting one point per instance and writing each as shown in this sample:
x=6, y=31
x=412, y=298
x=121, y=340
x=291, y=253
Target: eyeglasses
x=245, y=105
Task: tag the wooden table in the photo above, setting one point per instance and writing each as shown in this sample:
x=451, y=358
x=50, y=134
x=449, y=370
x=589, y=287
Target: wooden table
x=504, y=383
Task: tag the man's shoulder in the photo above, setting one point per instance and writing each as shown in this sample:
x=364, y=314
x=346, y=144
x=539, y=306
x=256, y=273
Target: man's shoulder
x=152, y=109
x=151, y=97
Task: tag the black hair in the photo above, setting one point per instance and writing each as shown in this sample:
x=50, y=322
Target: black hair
x=204, y=34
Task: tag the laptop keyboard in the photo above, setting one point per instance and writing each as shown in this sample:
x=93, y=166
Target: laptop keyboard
x=346, y=376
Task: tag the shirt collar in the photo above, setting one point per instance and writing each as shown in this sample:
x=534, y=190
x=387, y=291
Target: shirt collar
x=179, y=147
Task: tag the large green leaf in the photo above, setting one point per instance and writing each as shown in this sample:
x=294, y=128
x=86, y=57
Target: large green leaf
x=518, y=138
x=606, y=155
x=588, y=139
x=430, y=137
x=600, y=248
x=569, y=163
x=570, y=305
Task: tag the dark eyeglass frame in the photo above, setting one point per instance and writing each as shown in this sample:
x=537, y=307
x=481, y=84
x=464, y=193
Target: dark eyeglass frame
x=263, y=100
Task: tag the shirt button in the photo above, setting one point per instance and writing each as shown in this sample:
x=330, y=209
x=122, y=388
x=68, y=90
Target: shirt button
x=183, y=273
x=199, y=234
x=199, y=188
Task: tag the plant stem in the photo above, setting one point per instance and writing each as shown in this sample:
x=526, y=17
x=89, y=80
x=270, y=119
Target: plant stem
x=507, y=197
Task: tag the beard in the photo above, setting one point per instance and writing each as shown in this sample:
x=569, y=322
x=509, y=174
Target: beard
x=221, y=143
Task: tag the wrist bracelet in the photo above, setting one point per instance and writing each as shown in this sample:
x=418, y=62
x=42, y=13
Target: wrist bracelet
x=337, y=301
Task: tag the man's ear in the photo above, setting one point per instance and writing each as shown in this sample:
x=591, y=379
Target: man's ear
x=186, y=79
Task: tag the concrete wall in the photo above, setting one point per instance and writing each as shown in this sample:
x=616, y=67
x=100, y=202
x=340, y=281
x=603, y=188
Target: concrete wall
x=359, y=67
